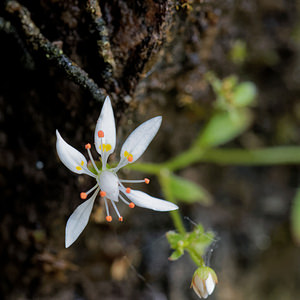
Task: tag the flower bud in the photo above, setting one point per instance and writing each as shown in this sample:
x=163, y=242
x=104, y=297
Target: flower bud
x=204, y=281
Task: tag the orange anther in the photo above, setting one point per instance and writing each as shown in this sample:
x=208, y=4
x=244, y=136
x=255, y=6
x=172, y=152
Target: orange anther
x=88, y=146
x=147, y=180
x=102, y=194
x=100, y=134
x=128, y=190
x=83, y=195
x=108, y=218
x=121, y=219
x=131, y=205
x=130, y=158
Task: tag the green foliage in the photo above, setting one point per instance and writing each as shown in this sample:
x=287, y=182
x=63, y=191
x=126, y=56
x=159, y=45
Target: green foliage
x=195, y=242
x=230, y=94
x=223, y=127
x=244, y=94
x=238, y=53
x=188, y=191
x=295, y=217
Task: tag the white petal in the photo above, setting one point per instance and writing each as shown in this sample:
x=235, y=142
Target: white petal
x=139, y=139
x=199, y=288
x=69, y=156
x=78, y=220
x=106, y=123
x=210, y=284
x=144, y=200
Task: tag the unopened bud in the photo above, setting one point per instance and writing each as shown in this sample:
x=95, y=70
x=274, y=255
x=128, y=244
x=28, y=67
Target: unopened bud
x=204, y=282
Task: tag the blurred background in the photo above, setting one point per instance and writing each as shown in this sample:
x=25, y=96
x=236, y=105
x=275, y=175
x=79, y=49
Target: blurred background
x=163, y=51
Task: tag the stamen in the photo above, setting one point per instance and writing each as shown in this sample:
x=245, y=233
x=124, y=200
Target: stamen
x=100, y=134
x=121, y=219
x=128, y=190
x=146, y=180
x=107, y=211
x=131, y=204
x=116, y=209
x=103, y=154
x=84, y=195
x=122, y=198
x=102, y=194
x=130, y=158
x=88, y=147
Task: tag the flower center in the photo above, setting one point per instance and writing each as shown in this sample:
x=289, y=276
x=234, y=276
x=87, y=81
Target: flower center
x=109, y=183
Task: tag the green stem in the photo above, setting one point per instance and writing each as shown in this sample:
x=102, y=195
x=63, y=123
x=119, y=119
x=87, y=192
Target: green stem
x=148, y=168
x=223, y=156
x=164, y=179
x=265, y=156
x=199, y=261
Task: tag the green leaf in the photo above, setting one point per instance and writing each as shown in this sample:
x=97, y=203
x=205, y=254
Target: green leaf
x=176, y=254
x=223, y=127
x=244, y=94
x=174, y=239
x=295, y=217
x=188, y=191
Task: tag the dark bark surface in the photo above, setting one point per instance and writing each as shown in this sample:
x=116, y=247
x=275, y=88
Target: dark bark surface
x=59, y=59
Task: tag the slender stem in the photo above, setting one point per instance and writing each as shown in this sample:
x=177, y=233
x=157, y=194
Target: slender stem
x=198, y=259
x=164, y=179
x=265, y=156
x=148, y=168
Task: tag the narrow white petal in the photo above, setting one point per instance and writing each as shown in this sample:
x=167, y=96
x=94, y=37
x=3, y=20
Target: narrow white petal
x=210, y=284
x=69, y=156
x=138, y=141
x=144, y=200
x=106, y=123
x=78, y=220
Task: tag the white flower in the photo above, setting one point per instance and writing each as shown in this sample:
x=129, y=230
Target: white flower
x=107, y=182
x=204, y=282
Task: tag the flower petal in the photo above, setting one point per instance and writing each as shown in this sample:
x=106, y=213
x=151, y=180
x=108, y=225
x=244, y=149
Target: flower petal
x=106, y=125
x=138, y=141
x=144, y=200
x=78, y=220
x=210, y=284
x=70, y=157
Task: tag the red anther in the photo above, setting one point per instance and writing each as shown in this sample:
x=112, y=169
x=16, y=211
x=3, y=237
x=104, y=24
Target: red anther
x=130, y=158
x=100, y=134
x=88, y=146
x=131, y=205
x=83, y=195
x=108, y=218
x=121, y=219
x=102, y=194
x=147, y=180
x=128, y=190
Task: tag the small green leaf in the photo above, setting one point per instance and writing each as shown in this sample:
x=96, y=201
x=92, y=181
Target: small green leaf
x=244, y=94
x=223, y=127
x=188, y=191
x=174, y=239
x=295, y=217
x=238, y=52
x=176, y=254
